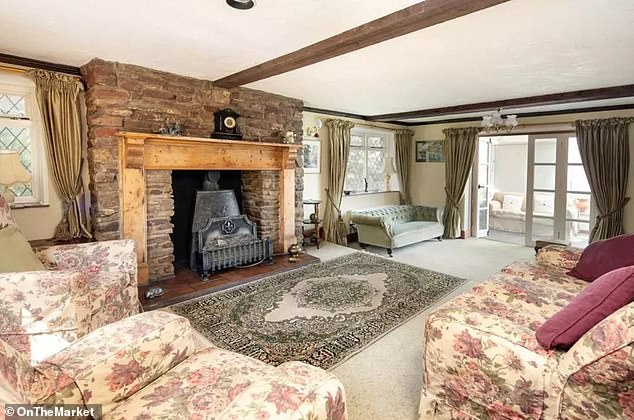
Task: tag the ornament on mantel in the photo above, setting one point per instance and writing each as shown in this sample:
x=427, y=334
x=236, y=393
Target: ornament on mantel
x=289, y=137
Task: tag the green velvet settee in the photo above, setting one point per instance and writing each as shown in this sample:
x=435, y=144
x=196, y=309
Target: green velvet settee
x=396, y=226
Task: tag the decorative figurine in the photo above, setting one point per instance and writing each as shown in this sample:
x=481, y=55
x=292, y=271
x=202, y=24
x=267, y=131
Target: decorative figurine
x=171, y=128
x=289, y=137
x=294, y=251
x=153, y=292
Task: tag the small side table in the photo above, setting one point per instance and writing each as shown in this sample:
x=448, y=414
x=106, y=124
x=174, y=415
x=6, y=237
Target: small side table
x=315, y=221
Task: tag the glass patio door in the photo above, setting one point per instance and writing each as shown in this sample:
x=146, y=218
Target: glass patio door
x=558, y=200
x=482, y=188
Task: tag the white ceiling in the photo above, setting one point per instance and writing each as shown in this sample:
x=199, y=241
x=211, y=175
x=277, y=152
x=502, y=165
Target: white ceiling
x=520, y=48
x=199, y=38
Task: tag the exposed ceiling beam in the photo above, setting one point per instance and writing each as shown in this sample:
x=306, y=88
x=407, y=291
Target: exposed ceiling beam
x=39, y=64
x=551, y=99
x=521, y=115
x=419, y=16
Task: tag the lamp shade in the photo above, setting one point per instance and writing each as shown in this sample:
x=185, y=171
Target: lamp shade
x=11, y=170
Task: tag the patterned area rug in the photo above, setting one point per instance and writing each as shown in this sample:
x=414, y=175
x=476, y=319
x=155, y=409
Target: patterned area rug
x=320, y=314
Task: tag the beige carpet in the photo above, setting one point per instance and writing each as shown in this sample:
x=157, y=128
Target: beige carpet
x=384, y=380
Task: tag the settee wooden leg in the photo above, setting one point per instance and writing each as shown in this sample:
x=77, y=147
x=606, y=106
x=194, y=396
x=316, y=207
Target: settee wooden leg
x=389, y=252
x=439, y=238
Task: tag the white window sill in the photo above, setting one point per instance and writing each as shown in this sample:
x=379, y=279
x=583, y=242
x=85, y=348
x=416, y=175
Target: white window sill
x=357, y=193
x=18, y=206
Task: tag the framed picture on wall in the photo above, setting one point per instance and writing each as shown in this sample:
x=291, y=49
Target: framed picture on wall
x=430, y=151
x=312, y=156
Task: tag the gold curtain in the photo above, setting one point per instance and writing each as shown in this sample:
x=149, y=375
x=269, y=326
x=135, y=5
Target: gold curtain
x=605, y=154
x=460, y=147
x=339, y=150
x=57, y=97
x=403, y=161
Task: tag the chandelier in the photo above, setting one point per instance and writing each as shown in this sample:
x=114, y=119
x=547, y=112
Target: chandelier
x=497, y=122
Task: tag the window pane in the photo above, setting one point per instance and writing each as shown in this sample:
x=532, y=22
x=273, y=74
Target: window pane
x=376, y=142
x=12, y=105
x=544, y=204
x=543, y=229
x=577, y=180
x=578, y=206
x=573, y=151
x=578, y=234
x=356, y=141
x=483, y=219
x=545, y=177
x=376, y=166
x=355, y=170
x=545, y=150
x=18, y=139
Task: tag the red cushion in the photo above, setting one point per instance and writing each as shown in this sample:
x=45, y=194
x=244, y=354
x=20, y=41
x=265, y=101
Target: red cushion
x=603, y=256
x=596, y=302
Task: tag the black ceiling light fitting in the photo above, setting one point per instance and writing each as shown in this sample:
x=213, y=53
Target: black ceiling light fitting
x=241, y=4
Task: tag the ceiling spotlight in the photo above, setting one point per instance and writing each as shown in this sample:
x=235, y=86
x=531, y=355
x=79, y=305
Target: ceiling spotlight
x=241, y=4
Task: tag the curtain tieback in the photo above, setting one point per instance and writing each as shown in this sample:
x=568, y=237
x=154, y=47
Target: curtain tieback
x=613, y=212
x=451, y=200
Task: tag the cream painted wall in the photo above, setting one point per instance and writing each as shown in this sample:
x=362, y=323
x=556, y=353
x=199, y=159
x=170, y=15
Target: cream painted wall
x=427, y=180
x=314, y=184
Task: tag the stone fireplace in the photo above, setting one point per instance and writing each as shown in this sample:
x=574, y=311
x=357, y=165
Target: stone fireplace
x=141, y=154
x=123, y=97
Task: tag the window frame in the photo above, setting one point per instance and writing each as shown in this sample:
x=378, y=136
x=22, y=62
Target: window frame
x=20, y=85
x=389, y=152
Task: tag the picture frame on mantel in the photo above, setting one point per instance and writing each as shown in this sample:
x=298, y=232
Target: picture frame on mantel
x=430, y=151
x=312, y=156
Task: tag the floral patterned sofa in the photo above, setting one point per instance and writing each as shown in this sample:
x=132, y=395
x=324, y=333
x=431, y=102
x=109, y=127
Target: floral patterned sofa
x=74, y=335
x=482, y=361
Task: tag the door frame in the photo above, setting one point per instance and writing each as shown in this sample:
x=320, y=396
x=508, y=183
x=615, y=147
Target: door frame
x=474, y=199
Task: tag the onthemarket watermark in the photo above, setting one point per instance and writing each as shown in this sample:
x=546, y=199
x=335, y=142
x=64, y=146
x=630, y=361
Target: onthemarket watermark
x=65, y=411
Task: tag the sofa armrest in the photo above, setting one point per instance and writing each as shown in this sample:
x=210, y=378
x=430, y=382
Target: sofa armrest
x=42, y=312
x=426, y=213
x=559, y=256
x=366, y=219
x=597, y=372
x=113, y=362
x=296, y=391
x=93, y=258
x=494, y=205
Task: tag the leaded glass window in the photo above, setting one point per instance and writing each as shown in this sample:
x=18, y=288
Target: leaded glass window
x=19, y=131
x=365, y=171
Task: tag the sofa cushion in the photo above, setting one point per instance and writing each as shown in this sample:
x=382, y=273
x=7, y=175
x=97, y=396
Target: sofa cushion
x=512, y=202
x=603, y=256
x=408, y=227
x=16, y=254
x=596, y=302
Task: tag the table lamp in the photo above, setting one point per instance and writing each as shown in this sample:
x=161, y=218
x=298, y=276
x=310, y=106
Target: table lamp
x=11, y=172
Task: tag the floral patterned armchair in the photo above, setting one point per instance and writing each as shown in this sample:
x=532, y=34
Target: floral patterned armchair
x=109, y=267
x=482, y=361
x=73, y=335
x=149, y=366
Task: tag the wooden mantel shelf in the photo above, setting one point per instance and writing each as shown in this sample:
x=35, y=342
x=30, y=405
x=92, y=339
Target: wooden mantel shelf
x=140, y=152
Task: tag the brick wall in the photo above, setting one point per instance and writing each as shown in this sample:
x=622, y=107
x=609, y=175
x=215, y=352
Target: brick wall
x=132, y=98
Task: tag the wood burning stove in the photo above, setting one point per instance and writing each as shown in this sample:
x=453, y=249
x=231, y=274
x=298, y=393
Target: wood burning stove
x=223, y=238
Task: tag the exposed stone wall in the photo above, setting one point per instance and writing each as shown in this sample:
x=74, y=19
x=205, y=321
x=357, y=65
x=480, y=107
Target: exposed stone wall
x=132, y=98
